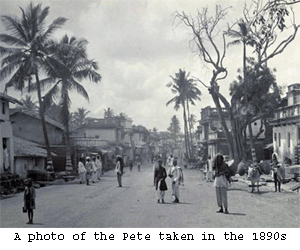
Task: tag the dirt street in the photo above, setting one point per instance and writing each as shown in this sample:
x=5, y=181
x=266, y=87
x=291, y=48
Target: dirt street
x=103, y=204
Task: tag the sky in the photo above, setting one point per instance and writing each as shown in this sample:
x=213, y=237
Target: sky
x=138, y=46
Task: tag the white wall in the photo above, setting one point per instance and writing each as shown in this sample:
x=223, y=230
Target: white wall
x=284, y=150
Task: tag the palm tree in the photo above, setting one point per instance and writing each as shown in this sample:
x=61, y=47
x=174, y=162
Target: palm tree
x=27, y=54
x=245, y=37
x=193, y=95
x=174, y=127
x=108, y=113
x=79, y=117
x=72, y=54
x=180, y=86
x=29, y=104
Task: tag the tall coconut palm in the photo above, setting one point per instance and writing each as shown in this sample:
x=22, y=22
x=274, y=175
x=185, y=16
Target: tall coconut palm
x=26, y=54
x=79, y=117
x=193, y=94
x=72, y=54
x=244, y=36
x=174, y=127
x=180, y=86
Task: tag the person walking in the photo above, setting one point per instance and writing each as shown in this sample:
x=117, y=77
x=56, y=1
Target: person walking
x=138, y=162
x=221, y=183
x=177, y=179
x=277, y=171
x=94, y=170
x=98, y=166
x=170, y=164
x=29, y=200
x=209, y=170
x=160, y=175
x=119, y=169
x=81, y=171
x=89, y=169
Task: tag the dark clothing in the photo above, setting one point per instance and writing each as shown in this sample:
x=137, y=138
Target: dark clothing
x=160, y=174
x=29, y=198
x=276, y=182
x=222, y=169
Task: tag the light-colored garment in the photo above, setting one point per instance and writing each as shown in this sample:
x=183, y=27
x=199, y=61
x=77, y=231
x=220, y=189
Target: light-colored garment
x=81, y=172
x=221, y=181
x=89, y=169
x=221, y=193
x=209, y=171
x=118, y=168
x=99, y=168
x=177, y=174
x=81, y=168
x=177, y=179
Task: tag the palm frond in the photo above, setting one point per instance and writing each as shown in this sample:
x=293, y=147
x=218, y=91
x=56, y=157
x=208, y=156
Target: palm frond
x=79, y=88
x=50, y=96
x=9, y=51
x=11, y=40
x=56, y=24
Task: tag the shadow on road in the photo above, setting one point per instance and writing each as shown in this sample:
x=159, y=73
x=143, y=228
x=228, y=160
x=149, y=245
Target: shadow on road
x=237, y=214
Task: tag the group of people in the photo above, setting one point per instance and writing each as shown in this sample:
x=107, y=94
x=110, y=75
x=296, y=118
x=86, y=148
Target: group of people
x=92, y=170
x=217, y=171
x=160, y=174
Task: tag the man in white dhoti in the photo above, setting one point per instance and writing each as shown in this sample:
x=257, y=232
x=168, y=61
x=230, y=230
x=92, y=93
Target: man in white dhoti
x=177, y=179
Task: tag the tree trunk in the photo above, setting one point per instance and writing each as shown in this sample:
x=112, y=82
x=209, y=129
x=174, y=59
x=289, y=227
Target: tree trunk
x=49, y=166
x=189, y=130
x=68, y=149
x=185, y=132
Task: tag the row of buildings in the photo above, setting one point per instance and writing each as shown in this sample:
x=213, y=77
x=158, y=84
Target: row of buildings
x=23, y=149
x=22, y=141
x=281, y=132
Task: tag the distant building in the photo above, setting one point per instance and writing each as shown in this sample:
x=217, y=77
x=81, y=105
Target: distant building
x=213, y=140
x=286, y=126
x=6, y=135
x=111, y=129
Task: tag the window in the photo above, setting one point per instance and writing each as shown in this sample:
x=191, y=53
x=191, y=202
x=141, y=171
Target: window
x=289, y=139
x=97, y=136
x=279, y=139
x=275, y=137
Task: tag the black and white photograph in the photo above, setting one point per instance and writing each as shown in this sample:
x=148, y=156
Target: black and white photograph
x=150, y=114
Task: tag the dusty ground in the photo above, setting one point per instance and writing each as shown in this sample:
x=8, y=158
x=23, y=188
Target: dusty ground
x=105, y=205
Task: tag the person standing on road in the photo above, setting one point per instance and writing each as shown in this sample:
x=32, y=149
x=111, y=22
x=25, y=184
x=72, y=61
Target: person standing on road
x=29, y=200
x=89, y=169
x=94, y=170
x=177, y=179
x=277, y=171
x=99, y=166
x=170, y=164
x=81, y=171
x=119, y=169
x=138, y=162
x=221, y=183
x=160, y=175
x=209, y=172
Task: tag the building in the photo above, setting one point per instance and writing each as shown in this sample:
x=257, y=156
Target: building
x=27, y=125
x=6, y=134
x=28, y=156
x=212, y=139
x=286, y=126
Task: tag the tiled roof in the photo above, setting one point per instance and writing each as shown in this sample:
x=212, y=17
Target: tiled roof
x=26, y=148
